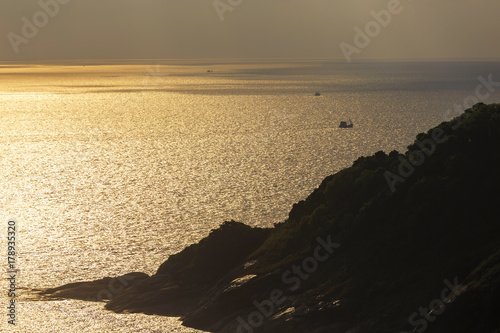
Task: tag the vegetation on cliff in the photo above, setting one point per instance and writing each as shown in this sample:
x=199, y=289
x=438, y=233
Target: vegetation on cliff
x=416, y=249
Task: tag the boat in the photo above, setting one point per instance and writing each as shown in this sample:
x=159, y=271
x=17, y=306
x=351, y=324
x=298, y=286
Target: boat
x=344, y=124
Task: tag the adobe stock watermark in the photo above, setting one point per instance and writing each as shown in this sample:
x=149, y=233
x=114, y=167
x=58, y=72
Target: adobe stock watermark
x=416, y=158
x=223, y=6
x=483, y=92
x=48, y=10
x=420, y=319
x=292, y=277
x=115, y=286
x=12, y=271
x=372, y=29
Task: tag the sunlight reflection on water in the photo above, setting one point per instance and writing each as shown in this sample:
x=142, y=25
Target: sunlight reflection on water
x=111, y=169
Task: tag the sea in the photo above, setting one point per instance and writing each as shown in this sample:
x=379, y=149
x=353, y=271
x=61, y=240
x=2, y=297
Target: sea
x=111, y=166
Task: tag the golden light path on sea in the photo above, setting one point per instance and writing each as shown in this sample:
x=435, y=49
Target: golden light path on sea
x=109, y=169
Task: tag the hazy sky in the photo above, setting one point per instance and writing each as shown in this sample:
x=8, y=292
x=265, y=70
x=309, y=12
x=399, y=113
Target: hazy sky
x=128, y=29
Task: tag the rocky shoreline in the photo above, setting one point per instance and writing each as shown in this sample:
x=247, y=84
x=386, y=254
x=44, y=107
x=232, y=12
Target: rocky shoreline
x=397, y=242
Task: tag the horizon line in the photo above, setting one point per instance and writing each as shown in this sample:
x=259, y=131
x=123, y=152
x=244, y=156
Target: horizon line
x=257, y=58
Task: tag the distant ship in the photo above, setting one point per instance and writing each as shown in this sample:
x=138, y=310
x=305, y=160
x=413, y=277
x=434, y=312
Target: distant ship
x=344, y=124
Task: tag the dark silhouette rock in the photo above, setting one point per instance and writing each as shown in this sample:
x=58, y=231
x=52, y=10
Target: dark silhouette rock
x=403, y=240
x=98, y=290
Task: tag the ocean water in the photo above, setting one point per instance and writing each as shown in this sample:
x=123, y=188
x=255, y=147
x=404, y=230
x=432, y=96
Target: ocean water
x=110, y=167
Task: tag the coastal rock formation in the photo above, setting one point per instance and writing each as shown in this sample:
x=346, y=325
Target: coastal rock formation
x=187, y=277
x=397, y=242
x=98, y=290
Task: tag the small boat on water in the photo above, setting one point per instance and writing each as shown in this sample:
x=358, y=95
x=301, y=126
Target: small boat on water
x=344, y=124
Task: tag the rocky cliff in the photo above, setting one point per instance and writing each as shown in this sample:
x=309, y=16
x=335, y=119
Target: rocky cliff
x=396, y=243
